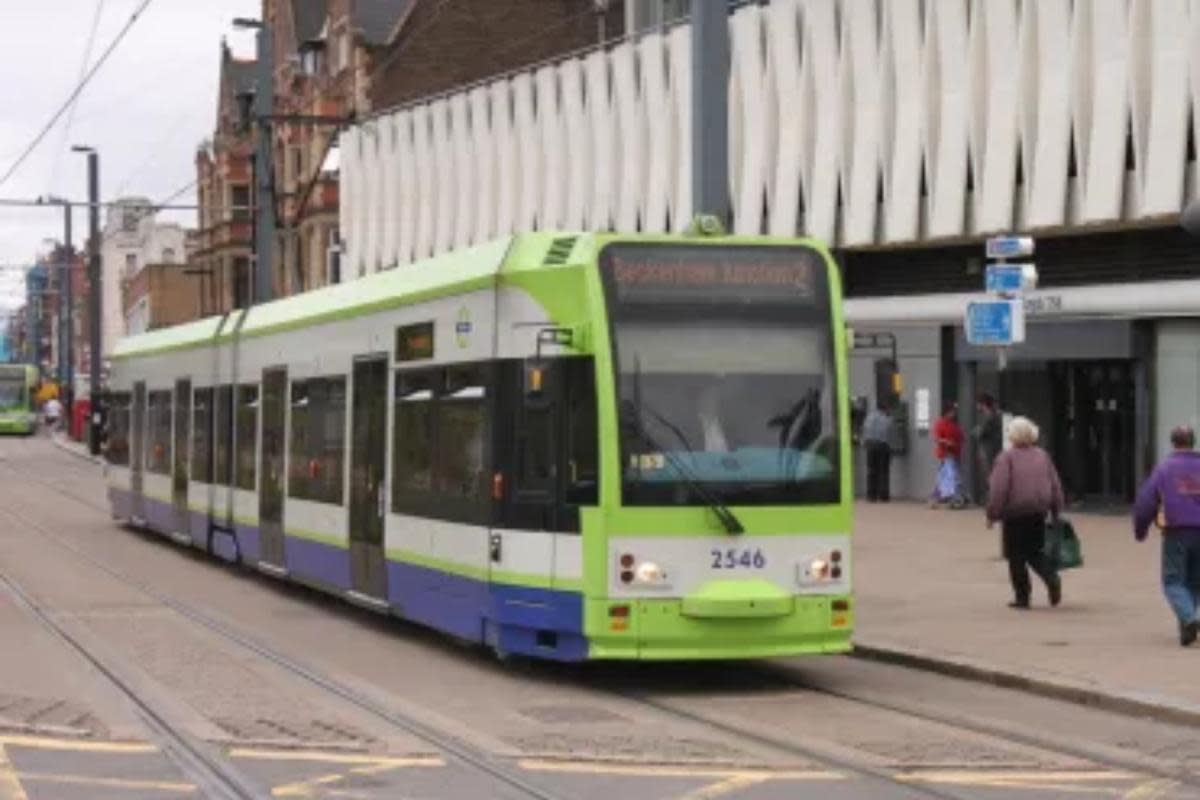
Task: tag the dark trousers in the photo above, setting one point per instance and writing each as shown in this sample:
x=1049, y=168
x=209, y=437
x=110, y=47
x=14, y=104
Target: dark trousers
x=879, y=467
x=1024, y=540
x=1181, y=572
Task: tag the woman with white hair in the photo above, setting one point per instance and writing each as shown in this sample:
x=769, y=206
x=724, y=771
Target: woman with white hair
x=1024, y=488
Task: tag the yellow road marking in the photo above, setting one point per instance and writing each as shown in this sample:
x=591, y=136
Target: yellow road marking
x=1151, y=790
x=10, y=784
x=1069, y=776
x=77, y=745
x=309, y=787
x=671, y=770
x=110, y=783
x=727, y=786
x=318, y=756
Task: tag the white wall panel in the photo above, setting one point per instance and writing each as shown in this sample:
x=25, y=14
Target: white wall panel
x=550, y=127
x=407, y=186
x=630, y=128
x=947, y=98
x=443, y=175
x=508, y=158
x=485, y=163
x=1109, y=86
x=680, y=105
x=465, y=180
x=390, y=175
x=1046, y=111
x=653, y=61
x=859, y=88
x=528, y=139
x=577, y=146
x=604, y=141
x=783, y=50
x=426, y=187
x=901, y=128
x=869, y=101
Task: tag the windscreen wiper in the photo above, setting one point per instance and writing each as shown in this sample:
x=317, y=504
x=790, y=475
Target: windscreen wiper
x=727, y=518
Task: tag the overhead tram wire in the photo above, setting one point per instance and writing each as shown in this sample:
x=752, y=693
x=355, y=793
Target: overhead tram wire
x=78, y=90
x=83, y=65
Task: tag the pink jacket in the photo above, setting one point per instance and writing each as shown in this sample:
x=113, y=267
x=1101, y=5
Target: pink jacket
x=1024, y=481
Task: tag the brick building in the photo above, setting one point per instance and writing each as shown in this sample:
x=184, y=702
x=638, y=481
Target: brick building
x=160, y=295
x=221, y=258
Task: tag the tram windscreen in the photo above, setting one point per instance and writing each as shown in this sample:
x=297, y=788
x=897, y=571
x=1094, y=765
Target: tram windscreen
x=726, y=379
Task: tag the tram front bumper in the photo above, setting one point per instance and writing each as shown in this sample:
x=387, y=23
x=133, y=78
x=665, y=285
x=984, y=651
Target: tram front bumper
x=681, y=629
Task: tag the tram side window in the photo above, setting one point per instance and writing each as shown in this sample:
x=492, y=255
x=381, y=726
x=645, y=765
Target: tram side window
x=158, y=433
x=247, y=437
x=117, y=453
x=318, y=440
x=412, y=444
x=583, y=445
x=202, y=410
x=460, y=422
x=223, y=442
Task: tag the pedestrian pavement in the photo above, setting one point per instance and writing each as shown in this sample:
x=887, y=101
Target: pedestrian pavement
x=933, y=592
x=69, y=445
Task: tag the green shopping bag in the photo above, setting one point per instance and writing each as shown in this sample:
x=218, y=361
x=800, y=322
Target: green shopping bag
x=1062, y=549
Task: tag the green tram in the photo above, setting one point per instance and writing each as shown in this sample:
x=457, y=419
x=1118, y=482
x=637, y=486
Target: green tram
x=18, y=398
x=571, y=447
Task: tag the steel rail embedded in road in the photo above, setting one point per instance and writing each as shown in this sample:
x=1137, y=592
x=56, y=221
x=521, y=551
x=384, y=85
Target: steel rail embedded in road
x=456, y=750
x=213, y=775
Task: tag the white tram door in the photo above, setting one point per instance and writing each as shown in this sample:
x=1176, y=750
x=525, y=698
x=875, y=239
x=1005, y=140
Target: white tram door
x=179, y=469
x=270, y=497
x=368, y=499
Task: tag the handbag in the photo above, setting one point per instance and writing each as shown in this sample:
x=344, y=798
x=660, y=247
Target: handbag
x=1062, y=549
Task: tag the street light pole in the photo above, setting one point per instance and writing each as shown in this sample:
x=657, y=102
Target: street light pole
x=95, y=298
x=66, y=322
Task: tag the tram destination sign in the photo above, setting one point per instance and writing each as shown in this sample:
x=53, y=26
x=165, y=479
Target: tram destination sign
x=661, y=274
x=996, y=323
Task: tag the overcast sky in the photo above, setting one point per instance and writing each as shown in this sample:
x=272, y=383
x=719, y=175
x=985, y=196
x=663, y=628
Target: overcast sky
x=145, y=111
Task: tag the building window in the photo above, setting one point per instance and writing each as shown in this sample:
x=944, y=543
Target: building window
x=318, y=440
x=241, y=282
x=239, y=199
x=343, y=59
x=131, y=264
x=168, y=255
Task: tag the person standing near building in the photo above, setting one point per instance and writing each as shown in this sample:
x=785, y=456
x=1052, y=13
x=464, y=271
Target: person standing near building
x=1171, y=498
x=877, y=429
x=989, y=436
x=1023, y=488
x=52, y=411
x=947, y=447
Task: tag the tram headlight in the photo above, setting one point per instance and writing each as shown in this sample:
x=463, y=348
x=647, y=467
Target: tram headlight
x=650, y=573
x=818, y=568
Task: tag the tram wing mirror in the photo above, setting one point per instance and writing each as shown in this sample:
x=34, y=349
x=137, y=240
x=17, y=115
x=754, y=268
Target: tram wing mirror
x=537, y=382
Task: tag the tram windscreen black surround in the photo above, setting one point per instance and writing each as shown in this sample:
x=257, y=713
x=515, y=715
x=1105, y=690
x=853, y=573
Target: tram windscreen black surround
x=726, y=373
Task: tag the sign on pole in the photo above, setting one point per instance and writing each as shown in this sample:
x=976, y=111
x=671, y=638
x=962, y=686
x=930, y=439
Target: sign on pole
x=1002, y=248
x=1009, y=280
x=995, y=323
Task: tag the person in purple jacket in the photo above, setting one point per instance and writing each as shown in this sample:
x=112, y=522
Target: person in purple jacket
x=1170, y=497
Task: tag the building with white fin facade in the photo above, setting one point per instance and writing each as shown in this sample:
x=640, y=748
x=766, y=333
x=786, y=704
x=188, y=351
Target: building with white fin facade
x=902, y=132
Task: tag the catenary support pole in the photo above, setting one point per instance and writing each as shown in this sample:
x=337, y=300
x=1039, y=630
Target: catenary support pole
x=95, y=303
x=66, y=319
x=710, y=108
x=264, y=206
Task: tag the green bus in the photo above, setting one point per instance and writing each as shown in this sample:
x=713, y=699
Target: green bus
x=18, y=401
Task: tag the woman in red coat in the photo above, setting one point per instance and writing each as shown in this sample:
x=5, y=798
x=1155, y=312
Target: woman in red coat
x=947, y=447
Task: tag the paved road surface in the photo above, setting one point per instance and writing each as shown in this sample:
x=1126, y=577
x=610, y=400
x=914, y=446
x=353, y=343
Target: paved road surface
x=134, y=668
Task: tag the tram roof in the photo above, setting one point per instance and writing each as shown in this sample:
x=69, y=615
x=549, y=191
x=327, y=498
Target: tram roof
x=452, y=273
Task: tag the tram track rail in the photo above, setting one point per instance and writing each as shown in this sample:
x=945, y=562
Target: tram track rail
x=452, y=748
x=466, y=754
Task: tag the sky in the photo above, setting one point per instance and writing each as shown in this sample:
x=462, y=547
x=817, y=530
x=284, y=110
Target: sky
x=145, y=111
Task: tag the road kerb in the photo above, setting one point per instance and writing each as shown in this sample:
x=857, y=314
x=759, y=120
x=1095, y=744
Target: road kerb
x=75, y=451
x=1163, y=708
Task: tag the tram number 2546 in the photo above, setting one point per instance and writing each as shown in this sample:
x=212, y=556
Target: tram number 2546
x=737, y=558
